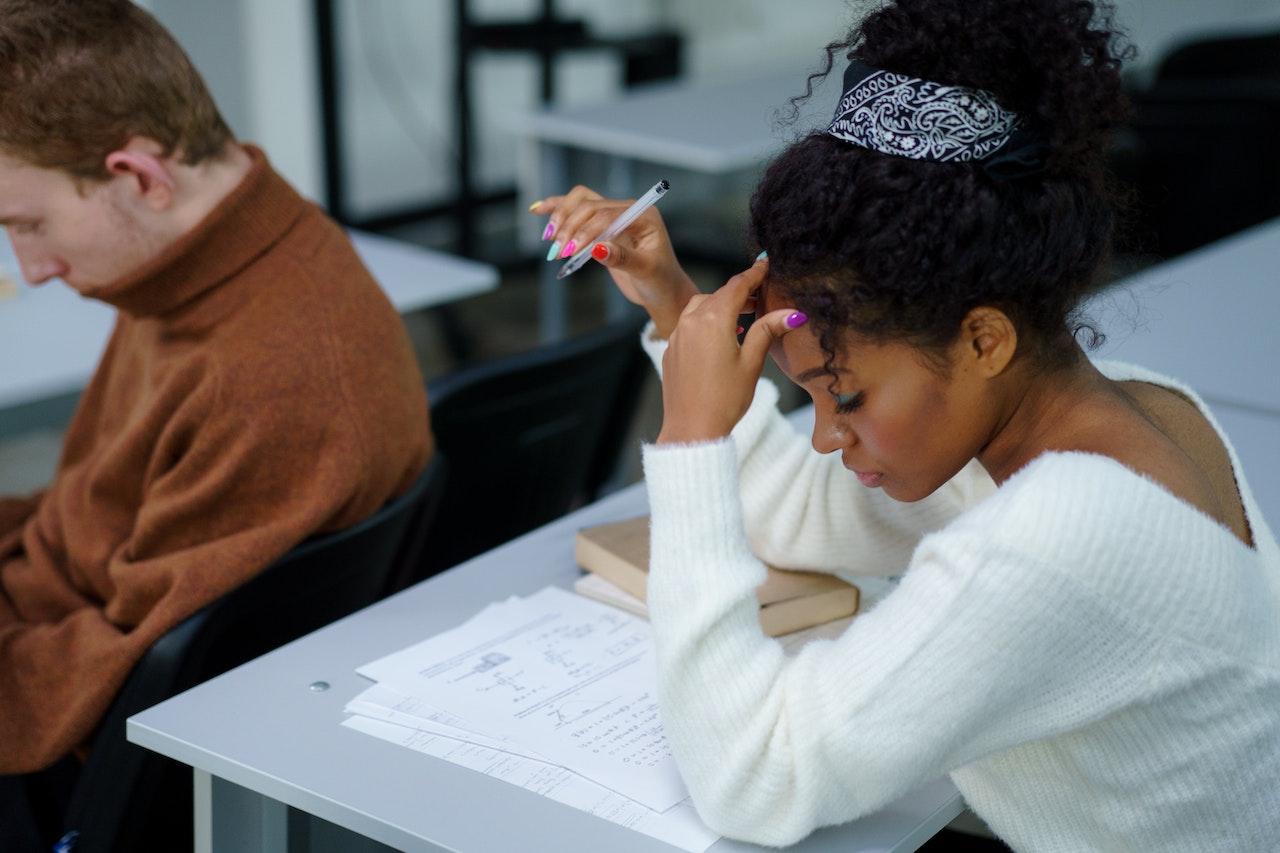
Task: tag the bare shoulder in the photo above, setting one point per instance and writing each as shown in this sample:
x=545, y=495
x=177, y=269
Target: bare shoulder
x=1186, y=456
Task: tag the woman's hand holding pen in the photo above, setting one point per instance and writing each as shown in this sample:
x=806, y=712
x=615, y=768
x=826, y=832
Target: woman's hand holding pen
x=640, y=260
x=708, y=379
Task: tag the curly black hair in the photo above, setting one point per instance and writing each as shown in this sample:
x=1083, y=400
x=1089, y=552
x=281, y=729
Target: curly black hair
x=893, y=248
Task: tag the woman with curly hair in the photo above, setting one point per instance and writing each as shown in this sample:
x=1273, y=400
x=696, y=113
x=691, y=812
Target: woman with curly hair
x=1086, y=633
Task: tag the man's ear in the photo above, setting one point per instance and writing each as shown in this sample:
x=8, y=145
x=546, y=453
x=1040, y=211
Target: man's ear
x=989, y=339
x=140, y=162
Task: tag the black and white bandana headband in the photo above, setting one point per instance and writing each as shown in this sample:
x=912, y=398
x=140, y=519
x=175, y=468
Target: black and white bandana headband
x=908, y=117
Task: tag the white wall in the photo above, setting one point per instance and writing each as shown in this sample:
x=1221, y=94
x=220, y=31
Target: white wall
x=728, y=35
x=398, y=80
x=259, y=58
x=282, y=110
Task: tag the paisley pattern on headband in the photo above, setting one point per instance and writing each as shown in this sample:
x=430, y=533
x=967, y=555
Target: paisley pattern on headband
x=895, y=114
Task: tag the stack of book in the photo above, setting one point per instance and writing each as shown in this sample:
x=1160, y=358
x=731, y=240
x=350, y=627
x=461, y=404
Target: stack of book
x=616, y=558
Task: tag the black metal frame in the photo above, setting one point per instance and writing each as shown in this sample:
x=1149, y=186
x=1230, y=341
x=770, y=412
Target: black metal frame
x=546, y=35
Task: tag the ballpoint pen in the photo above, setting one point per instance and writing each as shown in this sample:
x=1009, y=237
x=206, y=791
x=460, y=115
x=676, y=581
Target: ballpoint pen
x=618, y=225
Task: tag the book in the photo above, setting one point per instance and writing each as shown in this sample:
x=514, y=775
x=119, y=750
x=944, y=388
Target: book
x=616, y=558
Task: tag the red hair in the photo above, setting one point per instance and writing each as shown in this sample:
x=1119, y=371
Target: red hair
x=79, y=78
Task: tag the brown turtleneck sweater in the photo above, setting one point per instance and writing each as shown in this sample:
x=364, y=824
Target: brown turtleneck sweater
x=258, y=387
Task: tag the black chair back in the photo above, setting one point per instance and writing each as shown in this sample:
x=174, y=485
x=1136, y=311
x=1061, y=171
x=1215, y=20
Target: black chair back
x=1237, y=56
x=1201, y=149
x=130, y=799
x=528, y=437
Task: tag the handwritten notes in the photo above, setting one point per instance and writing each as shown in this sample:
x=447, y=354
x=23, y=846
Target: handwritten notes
x=532, y=689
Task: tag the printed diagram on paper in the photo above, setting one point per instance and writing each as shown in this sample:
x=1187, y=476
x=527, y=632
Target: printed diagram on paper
x=553, y=692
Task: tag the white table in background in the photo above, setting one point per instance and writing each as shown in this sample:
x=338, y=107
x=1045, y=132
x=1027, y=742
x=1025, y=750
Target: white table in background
x=710, y=127
x=1208, y=318
x=261, y=740
x=51, y=337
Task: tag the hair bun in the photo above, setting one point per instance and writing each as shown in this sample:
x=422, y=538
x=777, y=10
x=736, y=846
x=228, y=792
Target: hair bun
x=1056, y=62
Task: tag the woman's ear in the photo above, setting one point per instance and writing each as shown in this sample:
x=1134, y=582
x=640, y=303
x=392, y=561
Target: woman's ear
x=140, y=163
x=989, y=340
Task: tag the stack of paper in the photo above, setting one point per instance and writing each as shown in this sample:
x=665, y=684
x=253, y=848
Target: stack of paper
x=554, y=692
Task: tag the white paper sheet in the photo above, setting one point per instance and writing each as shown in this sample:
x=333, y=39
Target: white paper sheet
x=561, y=676
x=554, y=693
x=381, y=702
x=678, y=826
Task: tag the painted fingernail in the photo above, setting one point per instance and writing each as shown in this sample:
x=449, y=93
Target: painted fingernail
x=796, y=319
x=741, y=330
x=568, y=249
x=763, y=256
x=555, y=250
x=600, y=252
x=551, y=229
x=537, y=204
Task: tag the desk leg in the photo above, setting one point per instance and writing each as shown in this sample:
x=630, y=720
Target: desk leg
x=228, y=817
x=202, y=788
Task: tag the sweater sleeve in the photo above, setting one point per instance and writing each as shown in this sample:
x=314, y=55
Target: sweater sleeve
x=14, y=511
x=962, y=661
x=803, y=510
x=231, y=485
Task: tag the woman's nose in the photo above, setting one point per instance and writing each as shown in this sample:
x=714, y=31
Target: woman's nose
x=829, y=435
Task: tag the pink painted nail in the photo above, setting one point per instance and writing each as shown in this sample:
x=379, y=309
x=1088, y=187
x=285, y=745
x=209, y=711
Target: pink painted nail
x=551, y=229
x=741, y=330
x=796, y=319
x=568, y=249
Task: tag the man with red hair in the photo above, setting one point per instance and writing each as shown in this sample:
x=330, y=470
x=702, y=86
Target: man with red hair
x=258, y=386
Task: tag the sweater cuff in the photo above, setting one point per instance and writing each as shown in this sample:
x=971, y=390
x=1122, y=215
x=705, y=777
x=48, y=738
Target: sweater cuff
x=654, y=346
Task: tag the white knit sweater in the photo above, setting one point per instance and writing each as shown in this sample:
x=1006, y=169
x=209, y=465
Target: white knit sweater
x=1095, y=663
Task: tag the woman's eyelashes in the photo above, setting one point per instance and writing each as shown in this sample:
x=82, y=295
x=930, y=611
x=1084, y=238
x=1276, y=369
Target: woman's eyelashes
x=846, y=403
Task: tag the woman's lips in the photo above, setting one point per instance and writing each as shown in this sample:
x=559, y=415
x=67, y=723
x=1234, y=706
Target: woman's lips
x=870, y=479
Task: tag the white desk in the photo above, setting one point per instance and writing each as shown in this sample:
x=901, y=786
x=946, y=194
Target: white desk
x=51, y=337
x=260, y=739
x=710, y=127
x=1209, y=319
